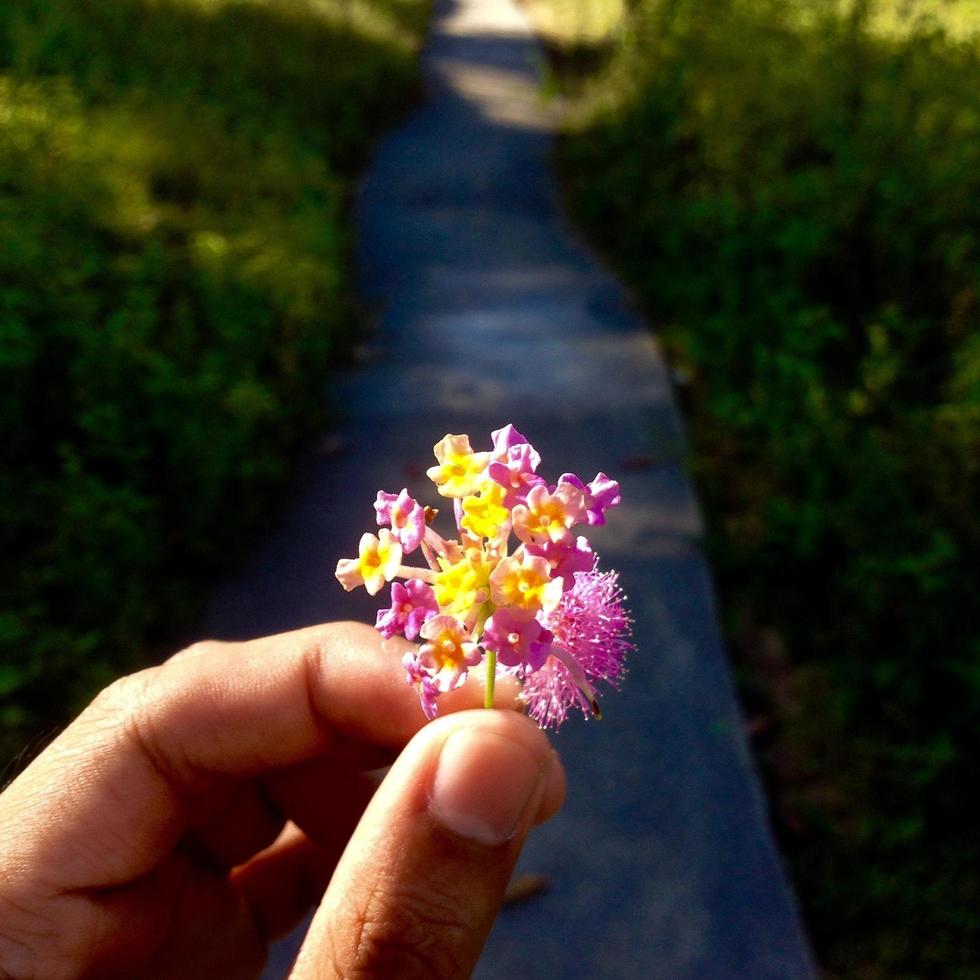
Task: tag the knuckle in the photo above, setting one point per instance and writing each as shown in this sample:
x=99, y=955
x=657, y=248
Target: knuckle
x=122, y=699
x=411, y=933
x=198, y=649
x=131, y=708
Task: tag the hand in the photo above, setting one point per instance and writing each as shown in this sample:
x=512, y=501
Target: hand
x=196, y=810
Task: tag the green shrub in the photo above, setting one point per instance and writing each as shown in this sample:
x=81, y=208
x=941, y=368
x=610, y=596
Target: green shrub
x=794, y=191
x=174, y=269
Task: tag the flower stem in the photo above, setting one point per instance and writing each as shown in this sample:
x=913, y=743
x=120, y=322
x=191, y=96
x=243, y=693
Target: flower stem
x=491, y=678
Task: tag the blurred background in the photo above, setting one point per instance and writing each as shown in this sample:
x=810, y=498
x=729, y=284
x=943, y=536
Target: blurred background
x=792, y=190
x=175, y=178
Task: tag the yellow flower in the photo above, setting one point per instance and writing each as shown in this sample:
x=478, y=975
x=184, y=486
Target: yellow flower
x=524, y=581
x=378, y=562
x=464, y=583
x=547, y=517
x=460, y=470
x=449, y=650
x=485, y=515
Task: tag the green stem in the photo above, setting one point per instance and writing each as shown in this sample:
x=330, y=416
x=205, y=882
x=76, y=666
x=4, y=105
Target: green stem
x=491, y=678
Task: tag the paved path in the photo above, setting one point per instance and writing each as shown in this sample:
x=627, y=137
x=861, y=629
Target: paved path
x=492, y=311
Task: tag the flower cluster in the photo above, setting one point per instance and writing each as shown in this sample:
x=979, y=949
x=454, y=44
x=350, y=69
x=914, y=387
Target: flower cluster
x=542, y=611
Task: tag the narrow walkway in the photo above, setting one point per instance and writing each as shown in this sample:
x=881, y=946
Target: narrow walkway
x=492, y=311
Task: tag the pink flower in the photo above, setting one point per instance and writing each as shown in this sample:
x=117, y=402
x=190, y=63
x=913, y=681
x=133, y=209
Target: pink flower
x=535, y=608
x=517, y=638
x=591, y=641
x=523, y=581
x=449, y=651
x=426, y=686
x=600, y=495
x=405, y=515
x=411, y=605
x=565, y=559
x=442, y=662
x=548, y=517
x=506, y=439
x=515, y=473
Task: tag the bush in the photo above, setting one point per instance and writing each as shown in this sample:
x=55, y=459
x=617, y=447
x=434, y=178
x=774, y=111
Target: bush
x=174, y=268
x=794, y=191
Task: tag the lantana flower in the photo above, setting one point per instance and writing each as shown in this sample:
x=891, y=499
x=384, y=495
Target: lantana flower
x=524, y=581
x=537, y=608
x=378, y=561
x=405, y=516
x=460, y=470
x=601, y=494
x=517, y=638
x=411, y=605
x=448, y=651
x=514, y=471
x=550, y=516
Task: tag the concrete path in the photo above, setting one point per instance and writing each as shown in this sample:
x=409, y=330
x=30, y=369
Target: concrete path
x=491, y=311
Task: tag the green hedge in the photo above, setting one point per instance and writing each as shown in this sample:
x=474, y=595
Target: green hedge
x=794, y=191
x=173, y=286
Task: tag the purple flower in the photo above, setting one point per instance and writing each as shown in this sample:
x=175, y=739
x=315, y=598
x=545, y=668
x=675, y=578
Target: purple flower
x=517, y=638
x=426, y=686
x=549, y=517
x=411, y=605
x=538, y=610
x=405, y=515
x=565, y=559
x=600, y=495
x=515, y=473
x=591, y=640
x=441, y=663
x=508, y=438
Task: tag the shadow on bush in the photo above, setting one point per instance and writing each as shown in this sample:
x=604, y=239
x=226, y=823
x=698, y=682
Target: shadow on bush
x=174, y=274
x=327, y=72
x=795, y=193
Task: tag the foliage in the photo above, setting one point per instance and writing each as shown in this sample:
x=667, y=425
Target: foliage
x=794, y=190
x=173, y=260
x=572, y=24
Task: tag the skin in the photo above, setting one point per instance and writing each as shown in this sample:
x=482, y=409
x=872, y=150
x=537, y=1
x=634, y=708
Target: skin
x=195, y=811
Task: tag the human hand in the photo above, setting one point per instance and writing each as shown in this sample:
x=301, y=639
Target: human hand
x=196, y=810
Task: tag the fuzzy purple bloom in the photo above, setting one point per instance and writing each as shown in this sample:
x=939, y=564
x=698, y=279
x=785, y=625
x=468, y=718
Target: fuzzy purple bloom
x=592, y=630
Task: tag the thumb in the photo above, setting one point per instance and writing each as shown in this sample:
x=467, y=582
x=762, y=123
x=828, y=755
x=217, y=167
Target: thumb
x=423, y=876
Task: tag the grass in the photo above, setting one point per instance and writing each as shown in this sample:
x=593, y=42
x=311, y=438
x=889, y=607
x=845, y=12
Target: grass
x=174, y=252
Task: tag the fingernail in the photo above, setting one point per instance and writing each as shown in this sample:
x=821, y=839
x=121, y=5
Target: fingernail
x=484, y=785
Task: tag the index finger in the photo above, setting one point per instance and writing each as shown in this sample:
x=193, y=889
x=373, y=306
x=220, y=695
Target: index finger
x=127, y=774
